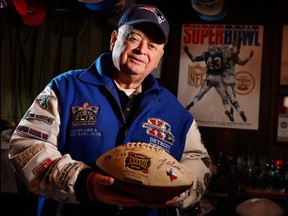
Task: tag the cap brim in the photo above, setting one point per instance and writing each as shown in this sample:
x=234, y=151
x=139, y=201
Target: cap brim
x=140, y=21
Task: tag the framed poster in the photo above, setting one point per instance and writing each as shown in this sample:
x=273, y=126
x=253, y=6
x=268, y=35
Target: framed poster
x=284, y=57
x=220, y=74
x=282, y=119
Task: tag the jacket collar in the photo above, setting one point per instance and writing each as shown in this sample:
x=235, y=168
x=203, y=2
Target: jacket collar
x=98, y=74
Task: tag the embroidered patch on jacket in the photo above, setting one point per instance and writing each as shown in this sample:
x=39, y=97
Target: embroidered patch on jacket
x=43, y=100
x=43, y=118
x=48, y=175
x=160, y=129
x=41, y=168
x=65, y=175
x=29, y=154
x=32, y=132
x=84, y=115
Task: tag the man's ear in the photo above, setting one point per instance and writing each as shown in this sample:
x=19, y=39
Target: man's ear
x=113, y=39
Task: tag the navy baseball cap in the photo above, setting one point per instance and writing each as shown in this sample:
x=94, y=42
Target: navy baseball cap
x=142, y=13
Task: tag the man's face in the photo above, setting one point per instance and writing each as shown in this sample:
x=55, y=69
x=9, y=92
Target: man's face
x=136, y=50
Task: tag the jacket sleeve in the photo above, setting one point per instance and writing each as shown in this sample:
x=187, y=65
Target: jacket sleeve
x=34, y=154
x=197, y=162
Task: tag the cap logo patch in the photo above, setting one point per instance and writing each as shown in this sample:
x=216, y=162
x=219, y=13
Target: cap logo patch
x=157, y=13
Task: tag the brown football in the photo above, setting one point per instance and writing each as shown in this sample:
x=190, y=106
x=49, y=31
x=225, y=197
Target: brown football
x=145, y=171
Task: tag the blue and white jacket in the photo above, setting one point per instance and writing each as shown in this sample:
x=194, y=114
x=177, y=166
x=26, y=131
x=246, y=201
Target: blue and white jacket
x=78, y=117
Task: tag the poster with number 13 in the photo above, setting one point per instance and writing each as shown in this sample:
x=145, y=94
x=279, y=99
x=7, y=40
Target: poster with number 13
x=220, y=74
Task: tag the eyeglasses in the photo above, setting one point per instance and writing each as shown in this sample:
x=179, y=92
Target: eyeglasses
x=136, y=40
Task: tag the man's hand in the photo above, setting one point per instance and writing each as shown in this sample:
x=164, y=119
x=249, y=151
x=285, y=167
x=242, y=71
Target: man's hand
x=101, y=190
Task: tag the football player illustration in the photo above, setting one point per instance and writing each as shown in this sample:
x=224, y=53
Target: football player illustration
x=231, y=58
x=214, y=61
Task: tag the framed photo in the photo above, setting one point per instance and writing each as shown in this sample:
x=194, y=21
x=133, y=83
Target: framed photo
x=282, y=119
x=284, y=57
x=282, y=128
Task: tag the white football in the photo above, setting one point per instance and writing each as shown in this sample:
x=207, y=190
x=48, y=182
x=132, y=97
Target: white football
x=145, y=171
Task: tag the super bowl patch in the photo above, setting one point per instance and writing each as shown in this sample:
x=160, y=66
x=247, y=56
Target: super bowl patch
x=84, y=115
x=160, y=129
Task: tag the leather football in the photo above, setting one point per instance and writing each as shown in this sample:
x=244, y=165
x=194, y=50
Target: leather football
x=145, y=171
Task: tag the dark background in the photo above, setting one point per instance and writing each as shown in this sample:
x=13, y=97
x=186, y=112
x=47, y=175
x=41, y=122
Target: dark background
x=262, y=142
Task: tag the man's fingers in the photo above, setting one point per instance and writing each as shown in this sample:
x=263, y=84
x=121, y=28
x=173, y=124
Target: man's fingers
x=103, y=180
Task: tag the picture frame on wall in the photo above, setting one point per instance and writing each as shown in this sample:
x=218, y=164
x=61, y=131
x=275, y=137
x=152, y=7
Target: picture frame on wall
x=282, y=119
x=284, y=57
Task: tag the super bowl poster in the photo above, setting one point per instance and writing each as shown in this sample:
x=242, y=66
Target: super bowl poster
x=220, y=74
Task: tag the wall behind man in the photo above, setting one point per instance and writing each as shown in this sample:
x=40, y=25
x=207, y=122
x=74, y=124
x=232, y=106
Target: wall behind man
x=272, y=16
x=232, y=141
x=69, y=37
